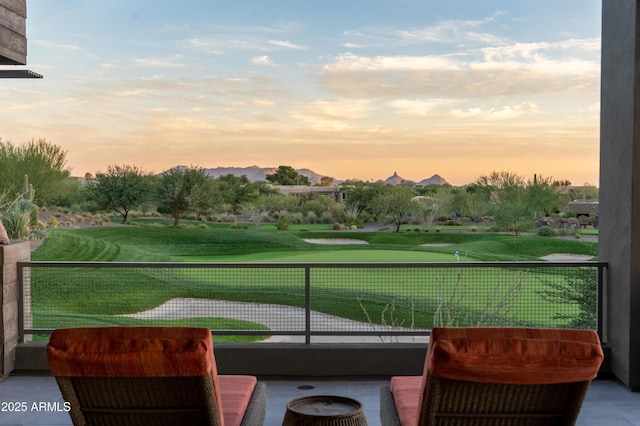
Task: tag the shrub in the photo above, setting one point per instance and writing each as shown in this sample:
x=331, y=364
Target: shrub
x=545, y=231
x=337, y=227
x=297, y=218
x=283, y=224
x=38, y=234
x=327, y=218
x=238, y=226
x=312, y=217
x=17, y=223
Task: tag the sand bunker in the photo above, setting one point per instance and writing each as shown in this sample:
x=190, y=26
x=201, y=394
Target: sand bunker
x=275, y=317
x=566, y=257
x=334, y=241
x=436, y=244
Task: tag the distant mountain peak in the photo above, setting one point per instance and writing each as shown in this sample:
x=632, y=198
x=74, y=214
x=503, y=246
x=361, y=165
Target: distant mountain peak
x=256, y=173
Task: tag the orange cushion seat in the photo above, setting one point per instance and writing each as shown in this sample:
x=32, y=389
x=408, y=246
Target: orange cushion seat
x=235, y=393
x=500, y=356
x=406, y=395
x=514, y=355
x=131, y=352
x=176, y=361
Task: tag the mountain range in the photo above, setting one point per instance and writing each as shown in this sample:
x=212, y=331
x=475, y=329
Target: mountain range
x=255, y=173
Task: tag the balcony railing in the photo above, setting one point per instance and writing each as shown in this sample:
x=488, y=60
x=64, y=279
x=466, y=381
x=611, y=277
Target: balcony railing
x=386, y=302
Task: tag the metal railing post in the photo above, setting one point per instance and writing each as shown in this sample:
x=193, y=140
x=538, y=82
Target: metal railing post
x=307, y=305
x=20, y=266
x=600, y=306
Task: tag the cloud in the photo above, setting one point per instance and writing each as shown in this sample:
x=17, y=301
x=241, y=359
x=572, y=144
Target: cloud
x=286, y=44
x=453, y=32
x=518, y=69
x=334, y=115
x=262, y=60
x=264, y=103
x=171, y=62
x=448, y=32
x=68, y=48
x=229, y=39
x=411, y=107
x=506, y=112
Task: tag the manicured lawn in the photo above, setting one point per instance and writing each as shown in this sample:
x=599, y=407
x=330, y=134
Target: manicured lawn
x=333, y=255
x=363, y=294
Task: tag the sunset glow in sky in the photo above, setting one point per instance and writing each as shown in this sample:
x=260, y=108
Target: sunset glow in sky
x=347, y=88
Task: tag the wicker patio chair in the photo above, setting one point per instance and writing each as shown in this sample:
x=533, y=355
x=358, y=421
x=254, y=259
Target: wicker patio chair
x=496, y=376
x=149, y=376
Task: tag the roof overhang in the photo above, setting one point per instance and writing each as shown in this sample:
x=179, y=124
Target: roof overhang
x=4, y=73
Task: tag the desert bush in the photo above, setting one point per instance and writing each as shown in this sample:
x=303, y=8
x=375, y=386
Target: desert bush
x=327, y=218
x=311, y=217
x=545, y=231
x=38, y=234
x=16, y=223
x=297, y=218
x=238, y=226
x=283, y=224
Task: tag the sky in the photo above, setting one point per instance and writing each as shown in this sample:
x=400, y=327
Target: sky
x=348, y=88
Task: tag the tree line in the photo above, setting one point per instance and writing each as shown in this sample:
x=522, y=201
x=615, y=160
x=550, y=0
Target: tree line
x=508, y=199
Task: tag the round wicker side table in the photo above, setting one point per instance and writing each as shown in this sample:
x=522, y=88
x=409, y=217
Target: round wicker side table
x=324, y=410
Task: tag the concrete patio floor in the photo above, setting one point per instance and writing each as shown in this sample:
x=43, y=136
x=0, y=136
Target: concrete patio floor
x=608, y=403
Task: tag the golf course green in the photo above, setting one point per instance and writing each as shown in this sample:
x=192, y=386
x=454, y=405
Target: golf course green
x=406, y=297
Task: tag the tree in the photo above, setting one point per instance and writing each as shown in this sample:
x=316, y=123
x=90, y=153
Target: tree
x=509, y=200
x=177, y=191
x=236, y=191
x=362, y=195
x=578, y=289
x=287, y=175
x=121, y=189
x=544, y=196
x=426, y=209
x=42, y=161
x=476, y=202
x=395, y=201
x=326, y=181
x=516, y=201
x=275, y=203
x=256, y=211
x=206, y=194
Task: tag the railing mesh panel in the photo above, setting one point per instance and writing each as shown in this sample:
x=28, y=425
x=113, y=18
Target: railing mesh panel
x=271, y=300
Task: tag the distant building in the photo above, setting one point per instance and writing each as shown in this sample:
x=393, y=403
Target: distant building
x=334, y=192
x=584, y=207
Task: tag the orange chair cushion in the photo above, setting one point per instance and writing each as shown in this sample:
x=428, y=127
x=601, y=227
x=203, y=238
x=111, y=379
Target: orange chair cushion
x=406, y=396
x=514, y=355
x=500, y=355
x=131, y=352
x=235, y=393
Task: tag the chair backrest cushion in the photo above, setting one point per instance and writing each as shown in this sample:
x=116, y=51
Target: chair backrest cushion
x=131, y=352
x=513, y=355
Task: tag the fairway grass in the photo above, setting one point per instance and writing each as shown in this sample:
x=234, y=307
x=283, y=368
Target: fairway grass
x=333, y=255
x=366, y=295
